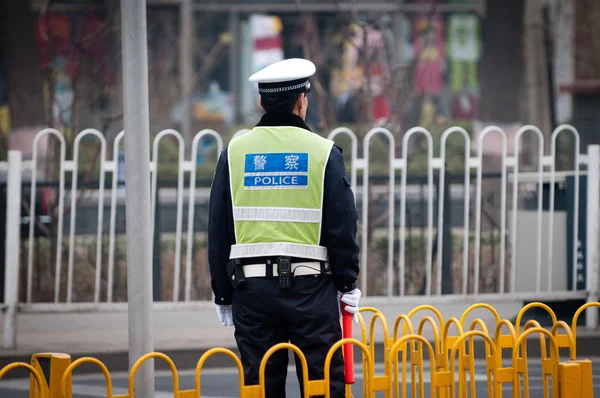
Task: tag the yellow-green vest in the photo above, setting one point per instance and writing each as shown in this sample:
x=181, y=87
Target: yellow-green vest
x=276, y=176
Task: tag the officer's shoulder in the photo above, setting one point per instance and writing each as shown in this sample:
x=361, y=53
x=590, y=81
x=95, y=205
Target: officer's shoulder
x=336, y=153
x=224, y=151
x=325, y=140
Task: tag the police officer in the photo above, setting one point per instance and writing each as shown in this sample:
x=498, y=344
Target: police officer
x=281, y=236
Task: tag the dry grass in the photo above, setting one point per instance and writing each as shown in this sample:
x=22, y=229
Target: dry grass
x=84, y=269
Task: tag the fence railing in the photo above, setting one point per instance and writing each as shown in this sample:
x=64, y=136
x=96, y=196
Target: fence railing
x=386, y=263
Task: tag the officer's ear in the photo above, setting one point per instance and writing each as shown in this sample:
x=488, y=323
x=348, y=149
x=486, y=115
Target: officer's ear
x=300, y=101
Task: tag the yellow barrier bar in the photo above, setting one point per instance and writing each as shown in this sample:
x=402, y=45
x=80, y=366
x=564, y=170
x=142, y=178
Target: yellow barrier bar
x=40, y=391
x=362, y=322
x=461, y=340
x=378, y=381
x=430, y=308
x=522, y=361
x=438, y=314
x=503, y=341
x=564, y=340
x=370, y=371
x=463, y=318
x=386, y=335
x=448, y=342
x=417, y=356
x=270, y=352
x=66, y=377
x=393, y=382
x=143, y=359
x=587, y=379
x=552, y=369
x=363, y=329
x=533, y=305
x=245, y=391
x=51, y=366
x=438, y=348
x=407, y=326
x=570, y=380
x=470, y=357
x=576, y=318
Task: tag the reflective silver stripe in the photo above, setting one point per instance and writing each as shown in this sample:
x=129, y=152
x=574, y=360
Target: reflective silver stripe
x=279, y=249
x=286, y=214
x=275, y=173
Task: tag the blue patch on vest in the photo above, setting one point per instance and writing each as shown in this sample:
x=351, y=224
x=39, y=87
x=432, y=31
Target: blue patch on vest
x=276, y=171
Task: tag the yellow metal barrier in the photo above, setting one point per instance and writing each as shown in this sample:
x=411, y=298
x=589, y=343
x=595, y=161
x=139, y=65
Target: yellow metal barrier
x=143, y=359
x=417, y=356
x=369, y=371
x=491, y=365
x=463, y=318
x=576, y=318
x=407, y=327
x=66, y=377
x=51, y=367
x=245, y=391
x=40, y=391
x=51, y=373
x=533, y=305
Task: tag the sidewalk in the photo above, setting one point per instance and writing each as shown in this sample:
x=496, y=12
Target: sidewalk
x=185, y=335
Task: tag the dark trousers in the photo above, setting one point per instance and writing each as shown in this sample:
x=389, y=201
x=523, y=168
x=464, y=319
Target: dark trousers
x=306, y=316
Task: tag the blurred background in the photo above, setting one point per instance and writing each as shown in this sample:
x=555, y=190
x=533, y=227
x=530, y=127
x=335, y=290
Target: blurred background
x=380, y=62
x=388, y=63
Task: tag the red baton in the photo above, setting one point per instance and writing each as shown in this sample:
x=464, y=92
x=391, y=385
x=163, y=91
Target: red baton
x=348, y=348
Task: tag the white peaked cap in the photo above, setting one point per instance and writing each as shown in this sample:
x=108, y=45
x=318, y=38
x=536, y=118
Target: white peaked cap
x=284, y=76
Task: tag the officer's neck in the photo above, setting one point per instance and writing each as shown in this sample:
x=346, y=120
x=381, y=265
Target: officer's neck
x=297, y=113
x=283, y=119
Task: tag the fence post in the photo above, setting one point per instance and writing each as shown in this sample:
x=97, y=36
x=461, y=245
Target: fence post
x=593, y=230
x=52, y=367
x=156, y=254
x=447, y=277
x=13, y=248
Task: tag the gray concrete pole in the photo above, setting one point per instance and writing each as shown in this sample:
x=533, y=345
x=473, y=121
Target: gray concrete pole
x=137, y=183
x=186, y=21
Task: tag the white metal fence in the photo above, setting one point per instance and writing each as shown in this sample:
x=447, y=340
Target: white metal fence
x=396, y=263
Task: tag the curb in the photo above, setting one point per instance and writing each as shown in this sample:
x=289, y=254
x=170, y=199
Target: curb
x=587, y=346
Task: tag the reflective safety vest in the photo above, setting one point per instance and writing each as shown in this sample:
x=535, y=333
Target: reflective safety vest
x=276, y=176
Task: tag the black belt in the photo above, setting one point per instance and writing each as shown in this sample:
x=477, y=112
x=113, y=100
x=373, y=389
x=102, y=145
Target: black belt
x=273, y=260
x=268, y=260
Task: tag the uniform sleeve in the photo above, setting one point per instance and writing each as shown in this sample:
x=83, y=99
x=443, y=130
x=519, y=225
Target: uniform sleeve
x=339, y=223
x=220, y=232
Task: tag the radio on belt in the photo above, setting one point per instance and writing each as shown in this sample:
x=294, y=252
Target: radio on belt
x=284, y=272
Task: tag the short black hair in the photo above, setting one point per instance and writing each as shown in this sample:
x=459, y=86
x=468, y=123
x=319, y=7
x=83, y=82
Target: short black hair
x=281, y=104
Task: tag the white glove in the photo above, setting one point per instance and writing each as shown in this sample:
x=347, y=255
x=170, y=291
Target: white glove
x=350, y=298
x=225, y=315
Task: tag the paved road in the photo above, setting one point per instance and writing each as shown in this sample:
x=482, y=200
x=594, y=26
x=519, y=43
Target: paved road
x=191, y=326
x=223, y=383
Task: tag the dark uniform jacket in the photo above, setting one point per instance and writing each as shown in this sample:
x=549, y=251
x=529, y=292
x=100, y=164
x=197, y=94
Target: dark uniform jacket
x=338, y=227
